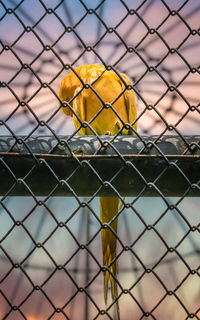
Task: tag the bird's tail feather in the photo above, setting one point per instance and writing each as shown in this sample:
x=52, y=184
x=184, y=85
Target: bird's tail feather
x=109, y=207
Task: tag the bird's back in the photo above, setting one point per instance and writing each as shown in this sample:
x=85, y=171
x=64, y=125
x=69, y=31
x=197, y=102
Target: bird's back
x=104, y=103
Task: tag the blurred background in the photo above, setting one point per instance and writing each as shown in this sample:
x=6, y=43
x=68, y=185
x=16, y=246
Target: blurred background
x=156, y=43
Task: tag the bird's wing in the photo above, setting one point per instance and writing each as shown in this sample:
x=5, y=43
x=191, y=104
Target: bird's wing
x=130, y=104
x=79, y=106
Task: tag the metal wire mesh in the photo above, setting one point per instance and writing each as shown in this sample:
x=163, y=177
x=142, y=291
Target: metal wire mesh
x=51, y=263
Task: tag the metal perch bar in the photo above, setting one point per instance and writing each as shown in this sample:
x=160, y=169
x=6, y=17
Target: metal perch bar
x=85, y=165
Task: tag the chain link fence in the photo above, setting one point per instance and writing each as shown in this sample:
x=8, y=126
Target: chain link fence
x=51, y=178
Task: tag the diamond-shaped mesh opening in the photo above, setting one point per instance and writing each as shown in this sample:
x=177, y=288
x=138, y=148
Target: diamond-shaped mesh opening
x=55, y=165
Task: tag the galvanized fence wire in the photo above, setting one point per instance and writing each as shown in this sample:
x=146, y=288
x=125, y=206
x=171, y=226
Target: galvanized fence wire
x=49, y=243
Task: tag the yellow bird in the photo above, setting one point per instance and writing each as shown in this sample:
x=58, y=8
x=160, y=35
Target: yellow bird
x=101, y=98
